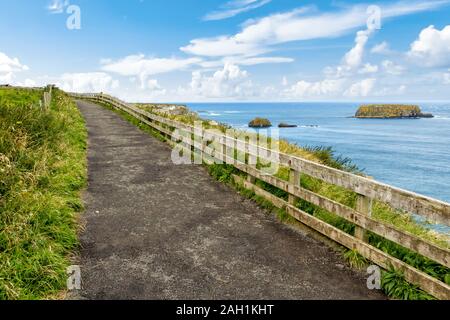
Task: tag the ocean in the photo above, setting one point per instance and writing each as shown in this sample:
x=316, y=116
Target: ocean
x=413, y=154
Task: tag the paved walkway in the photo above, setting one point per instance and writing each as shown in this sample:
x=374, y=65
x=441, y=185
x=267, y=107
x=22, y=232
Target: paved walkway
x=155, y=230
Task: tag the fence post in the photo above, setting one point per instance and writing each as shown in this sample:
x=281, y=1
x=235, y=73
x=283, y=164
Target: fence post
x=251, y=179
x=294, y=179
x=364, y=206
x=47, y=99
x=253, y=151
x=224, y=149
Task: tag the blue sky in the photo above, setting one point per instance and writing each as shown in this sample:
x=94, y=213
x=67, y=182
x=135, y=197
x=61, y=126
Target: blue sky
x=230, y=50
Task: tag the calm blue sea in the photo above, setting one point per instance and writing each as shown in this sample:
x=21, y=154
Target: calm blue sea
x=412, y=154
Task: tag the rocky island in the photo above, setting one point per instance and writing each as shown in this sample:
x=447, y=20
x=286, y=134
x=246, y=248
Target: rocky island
x=287, y=125
x=391, y=111
x=260, y=123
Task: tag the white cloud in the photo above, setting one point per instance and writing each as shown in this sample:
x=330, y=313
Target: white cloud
x=244, y=61
x=432, y=48
x=368, y=68
x=142, y=67
x=345, y=80
x=304, y=89
x=392, y=68
x=235, y=7
x=446, y=77
x=87, y=82
x=6, y=78
x=353, y=58
x=152, y=84
x=258, y=60
x=381, y=48
x=8, y=64
x=390, y=91
x=361, y=88
x=153, y=91
x=339, y=78
x=27, y=83
x=270, y=92
x=57, y=6
x=229, y=82
x=401, y=89
x=257, y=36
x=9, y=67
x=221, y=46
x=155, y=88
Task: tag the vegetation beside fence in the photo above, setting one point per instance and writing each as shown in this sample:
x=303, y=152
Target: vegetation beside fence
x=392, y=222
x=42, y=171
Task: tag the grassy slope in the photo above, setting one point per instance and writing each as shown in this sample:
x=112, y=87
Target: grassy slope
x=42, y=170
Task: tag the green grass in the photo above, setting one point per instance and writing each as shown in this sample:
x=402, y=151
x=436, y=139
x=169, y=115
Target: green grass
x=142, y=126
x=355, y=260
x=394, y=285
x=42, y=171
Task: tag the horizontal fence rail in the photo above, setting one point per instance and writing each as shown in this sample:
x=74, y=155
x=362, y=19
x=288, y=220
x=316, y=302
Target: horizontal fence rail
x=366, y=189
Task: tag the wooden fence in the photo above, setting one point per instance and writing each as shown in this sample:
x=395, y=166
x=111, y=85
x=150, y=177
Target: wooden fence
x=366, y=189
x=47, y=96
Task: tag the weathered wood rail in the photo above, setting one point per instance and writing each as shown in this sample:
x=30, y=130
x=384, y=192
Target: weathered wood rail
x=366, y=189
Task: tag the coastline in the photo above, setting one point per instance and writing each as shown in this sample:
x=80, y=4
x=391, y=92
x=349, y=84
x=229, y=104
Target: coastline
x=394, y=152
x=409, y=155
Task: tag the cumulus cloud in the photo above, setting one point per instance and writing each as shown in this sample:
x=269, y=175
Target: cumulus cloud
x=244, y=61
x=87, y=82
x=339, y=80
x=392, y=68
x=229, y=82
x=331, y=88
x=257, y=36
x=26, y=83
x=305, y=89
x=361, y=88
x=222, y=46
x=6, y=78
x=155, y=88
x=143, y=67
x=233, y=8
x=381, y=48
x=9, y=67
x=432, y=48
x=57, y=6
x=446, y=77
x=354, y=57
x=390, y=91
x=368, y=68
x=258, y=60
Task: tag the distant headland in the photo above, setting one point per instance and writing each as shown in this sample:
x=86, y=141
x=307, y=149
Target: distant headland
x=391, y=111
